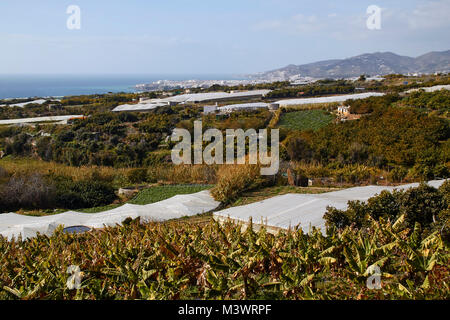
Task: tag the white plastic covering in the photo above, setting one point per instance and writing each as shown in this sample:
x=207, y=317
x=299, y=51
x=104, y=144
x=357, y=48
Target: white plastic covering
x=199, y=97
x=13, y=225
x=191, y=98
x=341, y=98
x=23, y=104
x=306, y=210
x=40, y=119
x=244, y=106
x=138, y=107
x=431, y=89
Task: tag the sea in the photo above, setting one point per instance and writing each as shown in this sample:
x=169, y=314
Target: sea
x=27, y=86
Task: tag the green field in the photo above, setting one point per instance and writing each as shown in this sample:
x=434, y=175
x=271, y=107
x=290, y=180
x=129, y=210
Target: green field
x=305, y=119
x=159, y=193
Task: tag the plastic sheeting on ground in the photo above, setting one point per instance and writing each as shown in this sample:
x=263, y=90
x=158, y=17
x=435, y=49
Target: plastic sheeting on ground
x=13, y=225
x=41, y=119
x=431, y=89
x=210, y=96
x=138, y=107
x=304, y=210
x=244, y=106
x=330, y=99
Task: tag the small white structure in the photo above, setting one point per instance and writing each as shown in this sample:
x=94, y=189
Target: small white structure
x=343, y=110
x=274, y=106
x=209, y=109
x=143, y=99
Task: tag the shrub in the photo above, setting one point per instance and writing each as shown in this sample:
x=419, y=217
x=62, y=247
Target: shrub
x=83, y=194
x=234, y=180
x=137, y=175
x=3, y=173
x=385, y=205
x=445, y=190
x=156, y=158
x=354, y=215
x=27, y=192
x=397, y=174
x=424, y=205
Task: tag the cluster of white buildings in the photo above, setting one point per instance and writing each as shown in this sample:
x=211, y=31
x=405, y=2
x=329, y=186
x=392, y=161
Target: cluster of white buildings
x=189, y=84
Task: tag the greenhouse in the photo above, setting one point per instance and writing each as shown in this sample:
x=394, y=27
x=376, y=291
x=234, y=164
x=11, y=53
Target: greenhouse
x=331, y=99
x=304, y=210
x=13, y=225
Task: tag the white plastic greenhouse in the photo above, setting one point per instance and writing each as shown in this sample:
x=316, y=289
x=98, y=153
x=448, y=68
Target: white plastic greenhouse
x=13, y=225
x=304, y=210
x=341, y=98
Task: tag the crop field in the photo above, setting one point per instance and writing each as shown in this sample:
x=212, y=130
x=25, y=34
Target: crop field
x=177, y=260
x=305, y=119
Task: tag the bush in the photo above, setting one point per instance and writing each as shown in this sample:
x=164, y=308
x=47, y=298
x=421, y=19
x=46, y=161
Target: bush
x=445, y=190
x=83, y=194
x=3, y=173
x=156, y=158
x=397, y=174
x=26, y=192
x=137, y=175
x=234, y=180
x=354, y=215
x=424, y=205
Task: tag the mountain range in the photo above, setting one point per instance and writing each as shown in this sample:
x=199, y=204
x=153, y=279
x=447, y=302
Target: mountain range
x=379, y=63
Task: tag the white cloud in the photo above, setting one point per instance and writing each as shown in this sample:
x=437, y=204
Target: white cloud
x=432, y=14
x=395, y=23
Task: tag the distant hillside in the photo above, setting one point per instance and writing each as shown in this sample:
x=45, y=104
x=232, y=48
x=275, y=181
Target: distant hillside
x=378, y=63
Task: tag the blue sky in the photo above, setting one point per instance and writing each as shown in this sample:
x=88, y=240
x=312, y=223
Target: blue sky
x=210, y=37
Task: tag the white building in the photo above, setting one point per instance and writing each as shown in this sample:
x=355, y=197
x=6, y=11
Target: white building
x=344, y=110
x=210, y=109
